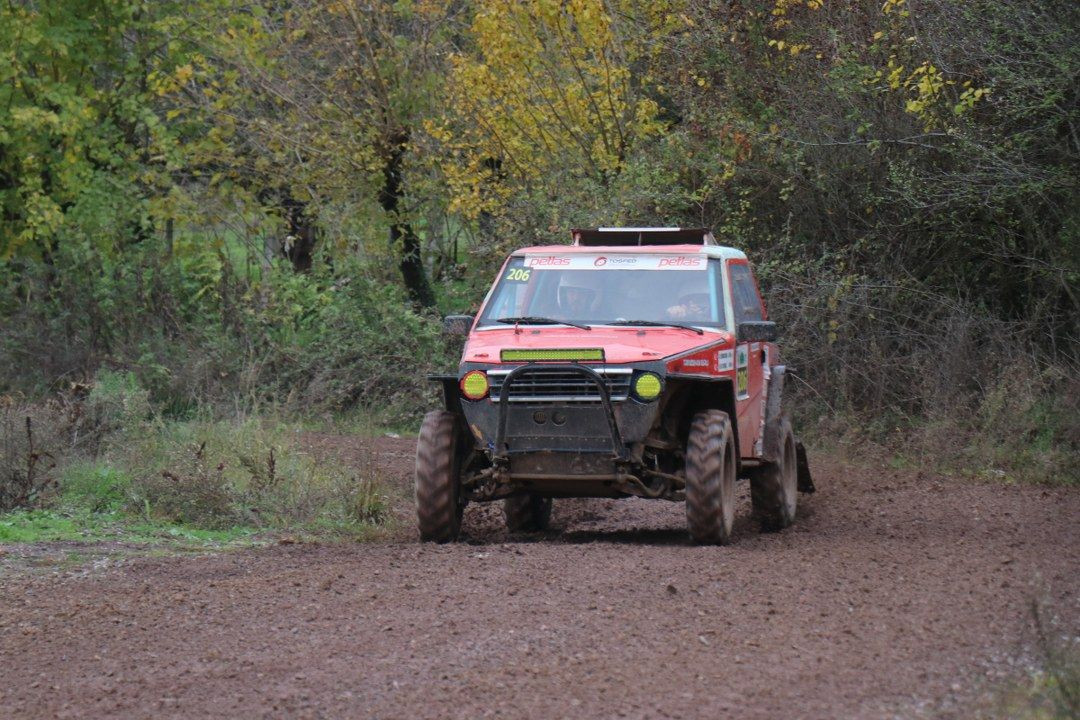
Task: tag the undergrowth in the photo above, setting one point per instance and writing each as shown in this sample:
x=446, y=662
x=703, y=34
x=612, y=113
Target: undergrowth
x=101, y=462
x=1051, y=690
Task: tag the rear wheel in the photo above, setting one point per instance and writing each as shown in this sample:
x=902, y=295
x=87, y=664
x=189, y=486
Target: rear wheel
x=773, y=487
x=439, y=504
x=527, y=513
x=710, y=478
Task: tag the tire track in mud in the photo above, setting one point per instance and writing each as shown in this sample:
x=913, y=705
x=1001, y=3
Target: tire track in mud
x=895, y=594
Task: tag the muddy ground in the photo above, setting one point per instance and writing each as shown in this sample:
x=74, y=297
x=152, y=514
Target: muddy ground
x=898, y=594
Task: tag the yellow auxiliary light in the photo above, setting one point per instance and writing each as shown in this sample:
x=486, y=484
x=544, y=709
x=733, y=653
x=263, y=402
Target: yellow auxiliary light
x=474, y=385
x=647, y=386
x=552, y=354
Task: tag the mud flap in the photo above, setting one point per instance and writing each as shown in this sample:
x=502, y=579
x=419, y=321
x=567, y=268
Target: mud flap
x=805, y=484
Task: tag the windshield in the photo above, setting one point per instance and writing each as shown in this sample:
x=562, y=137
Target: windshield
x=597, y=290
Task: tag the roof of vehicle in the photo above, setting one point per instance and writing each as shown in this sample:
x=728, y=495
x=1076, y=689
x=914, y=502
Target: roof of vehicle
x=610, y=236
x=714, y=251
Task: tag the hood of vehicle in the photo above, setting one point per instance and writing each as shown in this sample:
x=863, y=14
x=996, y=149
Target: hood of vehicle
x=620, y=344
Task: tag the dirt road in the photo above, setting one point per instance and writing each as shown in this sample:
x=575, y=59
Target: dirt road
x=896, y=595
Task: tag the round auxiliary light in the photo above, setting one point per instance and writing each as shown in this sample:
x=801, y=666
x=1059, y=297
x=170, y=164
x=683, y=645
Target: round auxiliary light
x=474, y=385
x=647, y=386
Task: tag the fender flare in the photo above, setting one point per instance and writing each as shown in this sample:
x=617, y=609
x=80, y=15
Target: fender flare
x=770, y=445
x=774, y=413
x=451, y=394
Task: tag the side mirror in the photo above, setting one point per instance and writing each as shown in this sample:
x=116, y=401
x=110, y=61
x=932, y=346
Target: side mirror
x=457, y=324
x=756, y=331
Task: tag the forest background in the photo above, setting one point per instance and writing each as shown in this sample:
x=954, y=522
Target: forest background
x=224, y=221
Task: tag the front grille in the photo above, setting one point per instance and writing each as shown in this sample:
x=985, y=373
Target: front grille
x=555, y=385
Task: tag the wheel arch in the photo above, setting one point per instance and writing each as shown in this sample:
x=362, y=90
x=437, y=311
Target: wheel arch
x=687, y=396
x=450, y=391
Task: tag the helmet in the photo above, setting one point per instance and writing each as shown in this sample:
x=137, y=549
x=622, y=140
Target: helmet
x=574, y=296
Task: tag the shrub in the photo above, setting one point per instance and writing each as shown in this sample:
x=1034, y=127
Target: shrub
x=29, y=441
x=116, y=405
x=191, y=490
x=219, y=474
x=94, y=486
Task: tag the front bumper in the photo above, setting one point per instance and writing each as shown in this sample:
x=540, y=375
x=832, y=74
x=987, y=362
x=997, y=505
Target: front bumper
x=588, y=448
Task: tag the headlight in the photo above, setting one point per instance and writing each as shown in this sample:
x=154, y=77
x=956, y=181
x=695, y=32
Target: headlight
x=474, y=385
x=647, y=386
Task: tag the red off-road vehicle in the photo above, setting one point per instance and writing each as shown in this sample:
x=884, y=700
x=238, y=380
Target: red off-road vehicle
x=635, y=362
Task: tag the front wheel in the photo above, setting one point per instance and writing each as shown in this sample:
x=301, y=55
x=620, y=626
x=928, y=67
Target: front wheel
x=527, y=513
x=439, y=505
x=710, y=478
x=774, y=486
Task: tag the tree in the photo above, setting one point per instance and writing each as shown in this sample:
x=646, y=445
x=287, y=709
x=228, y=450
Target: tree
x=327, y=97
x=85, y=146
x=543, y=88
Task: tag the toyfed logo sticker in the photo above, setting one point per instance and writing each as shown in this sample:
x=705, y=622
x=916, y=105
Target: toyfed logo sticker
x=600, y=261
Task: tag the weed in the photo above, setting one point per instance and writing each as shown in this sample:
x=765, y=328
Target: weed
x=1051, y=691
x=214, y=475
x=94, y=486
x=25, y=460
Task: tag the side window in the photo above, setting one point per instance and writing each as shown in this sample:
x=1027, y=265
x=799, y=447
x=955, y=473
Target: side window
x=744, y=297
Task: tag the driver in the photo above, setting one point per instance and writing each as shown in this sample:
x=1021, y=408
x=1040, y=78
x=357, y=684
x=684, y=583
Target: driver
x=575, y=300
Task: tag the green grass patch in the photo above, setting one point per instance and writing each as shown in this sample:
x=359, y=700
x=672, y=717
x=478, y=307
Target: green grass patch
x=206, y=483
x=43, y=526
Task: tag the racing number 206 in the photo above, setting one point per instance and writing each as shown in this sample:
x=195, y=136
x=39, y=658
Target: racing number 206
x=518, y=274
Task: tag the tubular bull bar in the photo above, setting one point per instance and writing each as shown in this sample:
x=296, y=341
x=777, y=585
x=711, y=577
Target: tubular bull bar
x=502, y=452
x=564, y=471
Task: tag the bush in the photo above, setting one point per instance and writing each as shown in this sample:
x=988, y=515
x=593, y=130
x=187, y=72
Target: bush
x=115, y=406
x=371, y=351
x=29, y=444
x=215, y=475
x=94, y=486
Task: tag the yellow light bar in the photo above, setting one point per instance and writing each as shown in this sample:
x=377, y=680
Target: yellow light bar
x=553, y=354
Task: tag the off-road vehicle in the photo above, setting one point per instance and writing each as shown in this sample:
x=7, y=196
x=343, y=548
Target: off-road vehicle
x=635, y=362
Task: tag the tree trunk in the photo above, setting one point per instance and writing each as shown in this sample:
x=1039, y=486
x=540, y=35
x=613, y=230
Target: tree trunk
x=299, y=247
x=402, y=236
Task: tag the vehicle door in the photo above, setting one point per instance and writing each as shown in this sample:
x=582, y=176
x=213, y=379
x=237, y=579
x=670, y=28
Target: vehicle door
x=746, y=305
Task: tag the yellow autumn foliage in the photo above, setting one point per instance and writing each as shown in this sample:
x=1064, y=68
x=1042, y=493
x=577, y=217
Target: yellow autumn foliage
x=548, y=85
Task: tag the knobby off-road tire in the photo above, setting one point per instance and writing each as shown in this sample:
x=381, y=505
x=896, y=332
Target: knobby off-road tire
x=527, y=513
x=439, y=504
x=774, y=487
x=710, y=478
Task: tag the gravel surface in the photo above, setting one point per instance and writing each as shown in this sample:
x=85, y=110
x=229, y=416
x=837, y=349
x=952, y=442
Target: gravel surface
x=896, y=594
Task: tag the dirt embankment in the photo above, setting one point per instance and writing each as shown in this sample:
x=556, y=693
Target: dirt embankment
x=895, y=595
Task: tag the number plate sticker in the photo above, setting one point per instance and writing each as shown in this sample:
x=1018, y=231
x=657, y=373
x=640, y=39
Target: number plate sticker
x=725, y=360
x=742, y=372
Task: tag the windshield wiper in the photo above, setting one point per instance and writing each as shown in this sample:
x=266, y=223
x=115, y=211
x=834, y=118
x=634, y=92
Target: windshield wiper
x=533, y=320
x=655, y=323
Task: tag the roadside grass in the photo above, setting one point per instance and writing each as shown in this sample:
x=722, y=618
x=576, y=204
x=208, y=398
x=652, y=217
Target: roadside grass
x=202, y=483
x=1051, y=691
x=46, y=526
x=1041, y=448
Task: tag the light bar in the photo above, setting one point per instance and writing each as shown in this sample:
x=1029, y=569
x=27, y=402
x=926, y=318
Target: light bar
x=553, y=354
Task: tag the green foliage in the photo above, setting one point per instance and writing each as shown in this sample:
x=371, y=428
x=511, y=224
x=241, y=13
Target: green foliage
x=219, y=475
x=231, y=205
x=30, y=443
x=116, y=404
x=94, y=486
x=85, y=148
